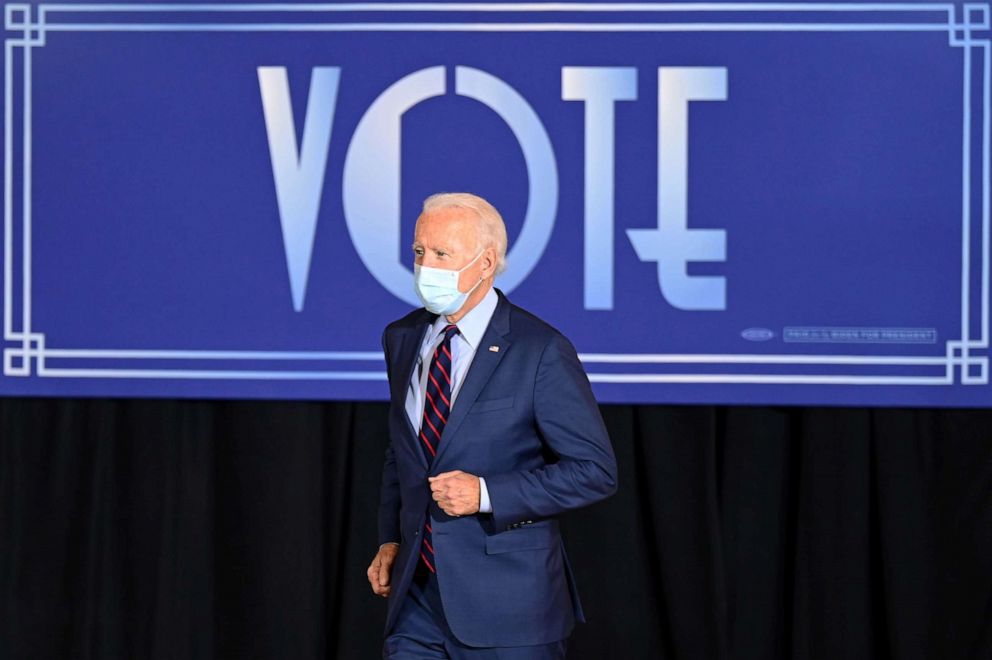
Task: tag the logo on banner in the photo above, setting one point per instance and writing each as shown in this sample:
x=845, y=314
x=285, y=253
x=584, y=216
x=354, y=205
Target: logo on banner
x=757, y=334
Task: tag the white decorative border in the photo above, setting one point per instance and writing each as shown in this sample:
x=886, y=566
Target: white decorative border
x=791, y=17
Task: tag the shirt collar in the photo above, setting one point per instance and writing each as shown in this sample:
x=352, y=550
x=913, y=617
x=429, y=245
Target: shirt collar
x=473, y=325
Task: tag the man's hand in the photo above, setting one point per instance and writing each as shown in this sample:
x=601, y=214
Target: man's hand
x=457, y=492
x=381, y=568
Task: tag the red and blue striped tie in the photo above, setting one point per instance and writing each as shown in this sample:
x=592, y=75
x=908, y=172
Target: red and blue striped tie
x=437, y=404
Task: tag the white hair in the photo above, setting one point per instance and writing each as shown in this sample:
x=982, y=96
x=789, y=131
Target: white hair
x=490, y=228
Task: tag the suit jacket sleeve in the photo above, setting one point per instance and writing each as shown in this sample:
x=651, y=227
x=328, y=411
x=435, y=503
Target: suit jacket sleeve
x=389, y=494
x=567, y=416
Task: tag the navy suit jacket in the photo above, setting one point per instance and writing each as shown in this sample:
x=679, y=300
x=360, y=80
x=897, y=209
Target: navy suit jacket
x=525, y=419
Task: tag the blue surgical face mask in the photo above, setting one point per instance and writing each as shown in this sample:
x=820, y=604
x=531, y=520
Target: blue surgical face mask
x=437, y=288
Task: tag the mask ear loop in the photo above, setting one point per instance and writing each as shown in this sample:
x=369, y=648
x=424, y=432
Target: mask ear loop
x=481, y=252
x=474, y=259
x=466, y=267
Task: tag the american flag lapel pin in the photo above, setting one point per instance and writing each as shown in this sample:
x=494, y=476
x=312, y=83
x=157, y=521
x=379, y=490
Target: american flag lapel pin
x=494, y=349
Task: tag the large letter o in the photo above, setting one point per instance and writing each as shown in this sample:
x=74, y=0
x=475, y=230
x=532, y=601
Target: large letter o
x=371, y=187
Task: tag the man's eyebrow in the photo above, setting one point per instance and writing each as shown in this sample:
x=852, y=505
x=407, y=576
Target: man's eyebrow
x=437, y=248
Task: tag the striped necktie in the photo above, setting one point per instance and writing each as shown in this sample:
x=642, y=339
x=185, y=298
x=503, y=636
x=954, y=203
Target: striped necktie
x=437, y=405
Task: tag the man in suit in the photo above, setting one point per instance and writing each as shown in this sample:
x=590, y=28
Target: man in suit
x=494, y=432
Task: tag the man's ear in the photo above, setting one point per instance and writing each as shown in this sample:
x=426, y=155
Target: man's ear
x=490, y=261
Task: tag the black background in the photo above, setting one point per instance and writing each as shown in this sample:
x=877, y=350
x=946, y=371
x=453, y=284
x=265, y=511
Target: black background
x=211, y=529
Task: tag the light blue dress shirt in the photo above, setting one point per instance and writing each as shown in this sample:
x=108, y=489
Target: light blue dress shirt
x=464, y=345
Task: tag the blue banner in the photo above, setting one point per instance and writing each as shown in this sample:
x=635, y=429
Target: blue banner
x=716, y=202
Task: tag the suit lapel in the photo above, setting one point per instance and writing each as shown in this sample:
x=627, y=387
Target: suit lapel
x=483, y=365
x=409, y=347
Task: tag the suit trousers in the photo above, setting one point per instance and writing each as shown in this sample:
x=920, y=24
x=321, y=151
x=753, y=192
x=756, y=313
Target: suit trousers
x=422, y=633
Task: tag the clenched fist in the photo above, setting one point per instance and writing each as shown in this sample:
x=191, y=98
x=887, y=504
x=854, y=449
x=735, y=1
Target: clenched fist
x=381, y=568
x=457, y=492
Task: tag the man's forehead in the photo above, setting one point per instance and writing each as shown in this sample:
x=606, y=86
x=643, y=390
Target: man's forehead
x=445, y=223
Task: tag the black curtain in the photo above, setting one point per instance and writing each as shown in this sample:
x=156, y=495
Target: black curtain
x=172, y=530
